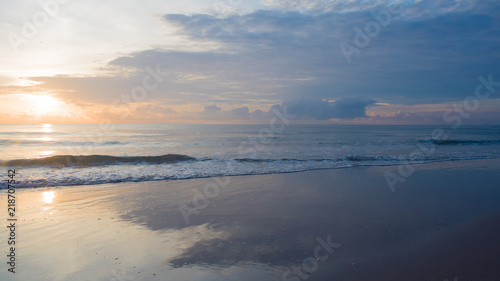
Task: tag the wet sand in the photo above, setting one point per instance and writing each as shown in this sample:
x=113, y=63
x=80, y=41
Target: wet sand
x=442, y=222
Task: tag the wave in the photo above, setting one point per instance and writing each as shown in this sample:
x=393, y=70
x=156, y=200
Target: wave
x=95, y=160
x=349, y=158
x=460, y=142
x=102, y=169
x=107, y=160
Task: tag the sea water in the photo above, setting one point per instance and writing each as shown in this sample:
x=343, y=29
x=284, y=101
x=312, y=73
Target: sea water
x=61, y=155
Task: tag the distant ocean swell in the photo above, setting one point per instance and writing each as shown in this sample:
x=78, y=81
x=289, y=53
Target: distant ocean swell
x=8, y=142
x=461, y=142
x=59, y=142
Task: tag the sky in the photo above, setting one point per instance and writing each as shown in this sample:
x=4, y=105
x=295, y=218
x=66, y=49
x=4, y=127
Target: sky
x=234, y=61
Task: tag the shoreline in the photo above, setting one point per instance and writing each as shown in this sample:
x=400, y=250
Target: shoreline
x=270, y=173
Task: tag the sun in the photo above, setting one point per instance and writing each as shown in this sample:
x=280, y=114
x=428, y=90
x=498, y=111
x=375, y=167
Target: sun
x=44, y=104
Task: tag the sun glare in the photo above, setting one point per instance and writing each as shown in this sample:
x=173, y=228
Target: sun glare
x=44, y=104
x=46, y=128
x=46, y=153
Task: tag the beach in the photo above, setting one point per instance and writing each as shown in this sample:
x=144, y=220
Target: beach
x=250, y=140
x=441, y=223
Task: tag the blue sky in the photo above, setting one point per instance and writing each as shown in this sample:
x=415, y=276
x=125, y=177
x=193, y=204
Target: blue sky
x=231, y=61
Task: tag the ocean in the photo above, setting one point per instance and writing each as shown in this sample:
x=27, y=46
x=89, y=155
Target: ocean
x=64, y=155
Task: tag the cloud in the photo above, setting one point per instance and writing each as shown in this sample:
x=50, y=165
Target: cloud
x=214, y=112
x=436, y=56
x=414, y=9
x=489, y=117
x=281, y=55
x=324, y=110
x=431, y=52
x=301, y=109
x=212, y=109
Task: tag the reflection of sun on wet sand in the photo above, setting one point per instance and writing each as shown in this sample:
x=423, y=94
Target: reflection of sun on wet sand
x=441, y=223
x=48, y=197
